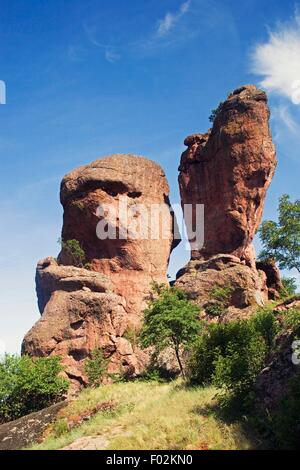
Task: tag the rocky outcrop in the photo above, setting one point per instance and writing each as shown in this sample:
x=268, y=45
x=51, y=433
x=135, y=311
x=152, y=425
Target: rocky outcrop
x=274, y=283
x=84, y=309
x=110, y=184
x=247, y=288
x=82, y=314
x=228, y=170
x=29, y=429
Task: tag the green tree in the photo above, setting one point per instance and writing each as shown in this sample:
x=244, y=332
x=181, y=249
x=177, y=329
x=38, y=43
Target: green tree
x=74, y=250
x=28, y=385
x=170, y=320
x=289, y=286
x=281, y=240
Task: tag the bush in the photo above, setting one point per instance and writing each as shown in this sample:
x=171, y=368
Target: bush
x=28, y=385
x=215, y=112
x=291, y=320
x=75, y=251
x=95, y=368
x=220, y=300
x=230, y=355
x=266, y=324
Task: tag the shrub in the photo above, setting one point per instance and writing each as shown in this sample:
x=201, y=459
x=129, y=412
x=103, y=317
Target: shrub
x=215, y=112
x=230, y=355
x=95, y=367
x=291, y=320
x=75, y=251
x=170, y=320
x=266, y=324
x=28, y=385
x=220, y=300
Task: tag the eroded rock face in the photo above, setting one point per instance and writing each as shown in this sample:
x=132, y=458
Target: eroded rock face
x=247, y=286
x=228, y=170
x=84, y=309
x=81, y=313
x=131, y=264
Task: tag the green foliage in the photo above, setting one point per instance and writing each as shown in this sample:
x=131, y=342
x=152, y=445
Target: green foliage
x=289, y=286
x=281, y=240
x=266, y=324
x=220, y=300
x=222, y=294
x=28, y=385
x=170, y=320
x=215, y=112
x=75, y=251
x=95, y=367
x=230, y=355
x=291, y=320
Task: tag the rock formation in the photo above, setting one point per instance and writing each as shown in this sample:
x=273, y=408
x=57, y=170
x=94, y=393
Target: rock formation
x=228, y=170
x=83, y=309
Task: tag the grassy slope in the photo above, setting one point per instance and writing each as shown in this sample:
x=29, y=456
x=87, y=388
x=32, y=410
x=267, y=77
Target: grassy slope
x=150, y=415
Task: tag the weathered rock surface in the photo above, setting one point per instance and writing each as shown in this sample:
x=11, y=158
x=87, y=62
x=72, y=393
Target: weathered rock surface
x=248, y=287
x=29, y=429
x=82, y=314
x=83, y=309
x=229, y=170
x=131, y=264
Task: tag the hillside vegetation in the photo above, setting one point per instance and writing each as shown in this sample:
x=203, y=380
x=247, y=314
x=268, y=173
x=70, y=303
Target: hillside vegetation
x=147, y=415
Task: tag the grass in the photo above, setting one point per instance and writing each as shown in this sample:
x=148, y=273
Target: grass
x=151, y=415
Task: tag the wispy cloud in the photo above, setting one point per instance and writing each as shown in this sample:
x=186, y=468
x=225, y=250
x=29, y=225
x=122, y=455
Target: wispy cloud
x=110, y=52
x=167, y=23
x=278, y=60
x=283, y=113
x=111, y=56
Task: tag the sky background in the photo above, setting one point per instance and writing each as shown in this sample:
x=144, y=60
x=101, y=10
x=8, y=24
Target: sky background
x=87, y=78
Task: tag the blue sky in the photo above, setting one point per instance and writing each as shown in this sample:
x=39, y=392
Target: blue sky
x=86, y=78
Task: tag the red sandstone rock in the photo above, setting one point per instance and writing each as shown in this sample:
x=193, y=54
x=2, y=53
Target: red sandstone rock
x=131, y=264
x=81, y=314
x=83, y=309
x=229, y=170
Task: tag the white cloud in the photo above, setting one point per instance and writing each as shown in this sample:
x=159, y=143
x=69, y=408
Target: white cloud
x=278, y=60
x=171, y=19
